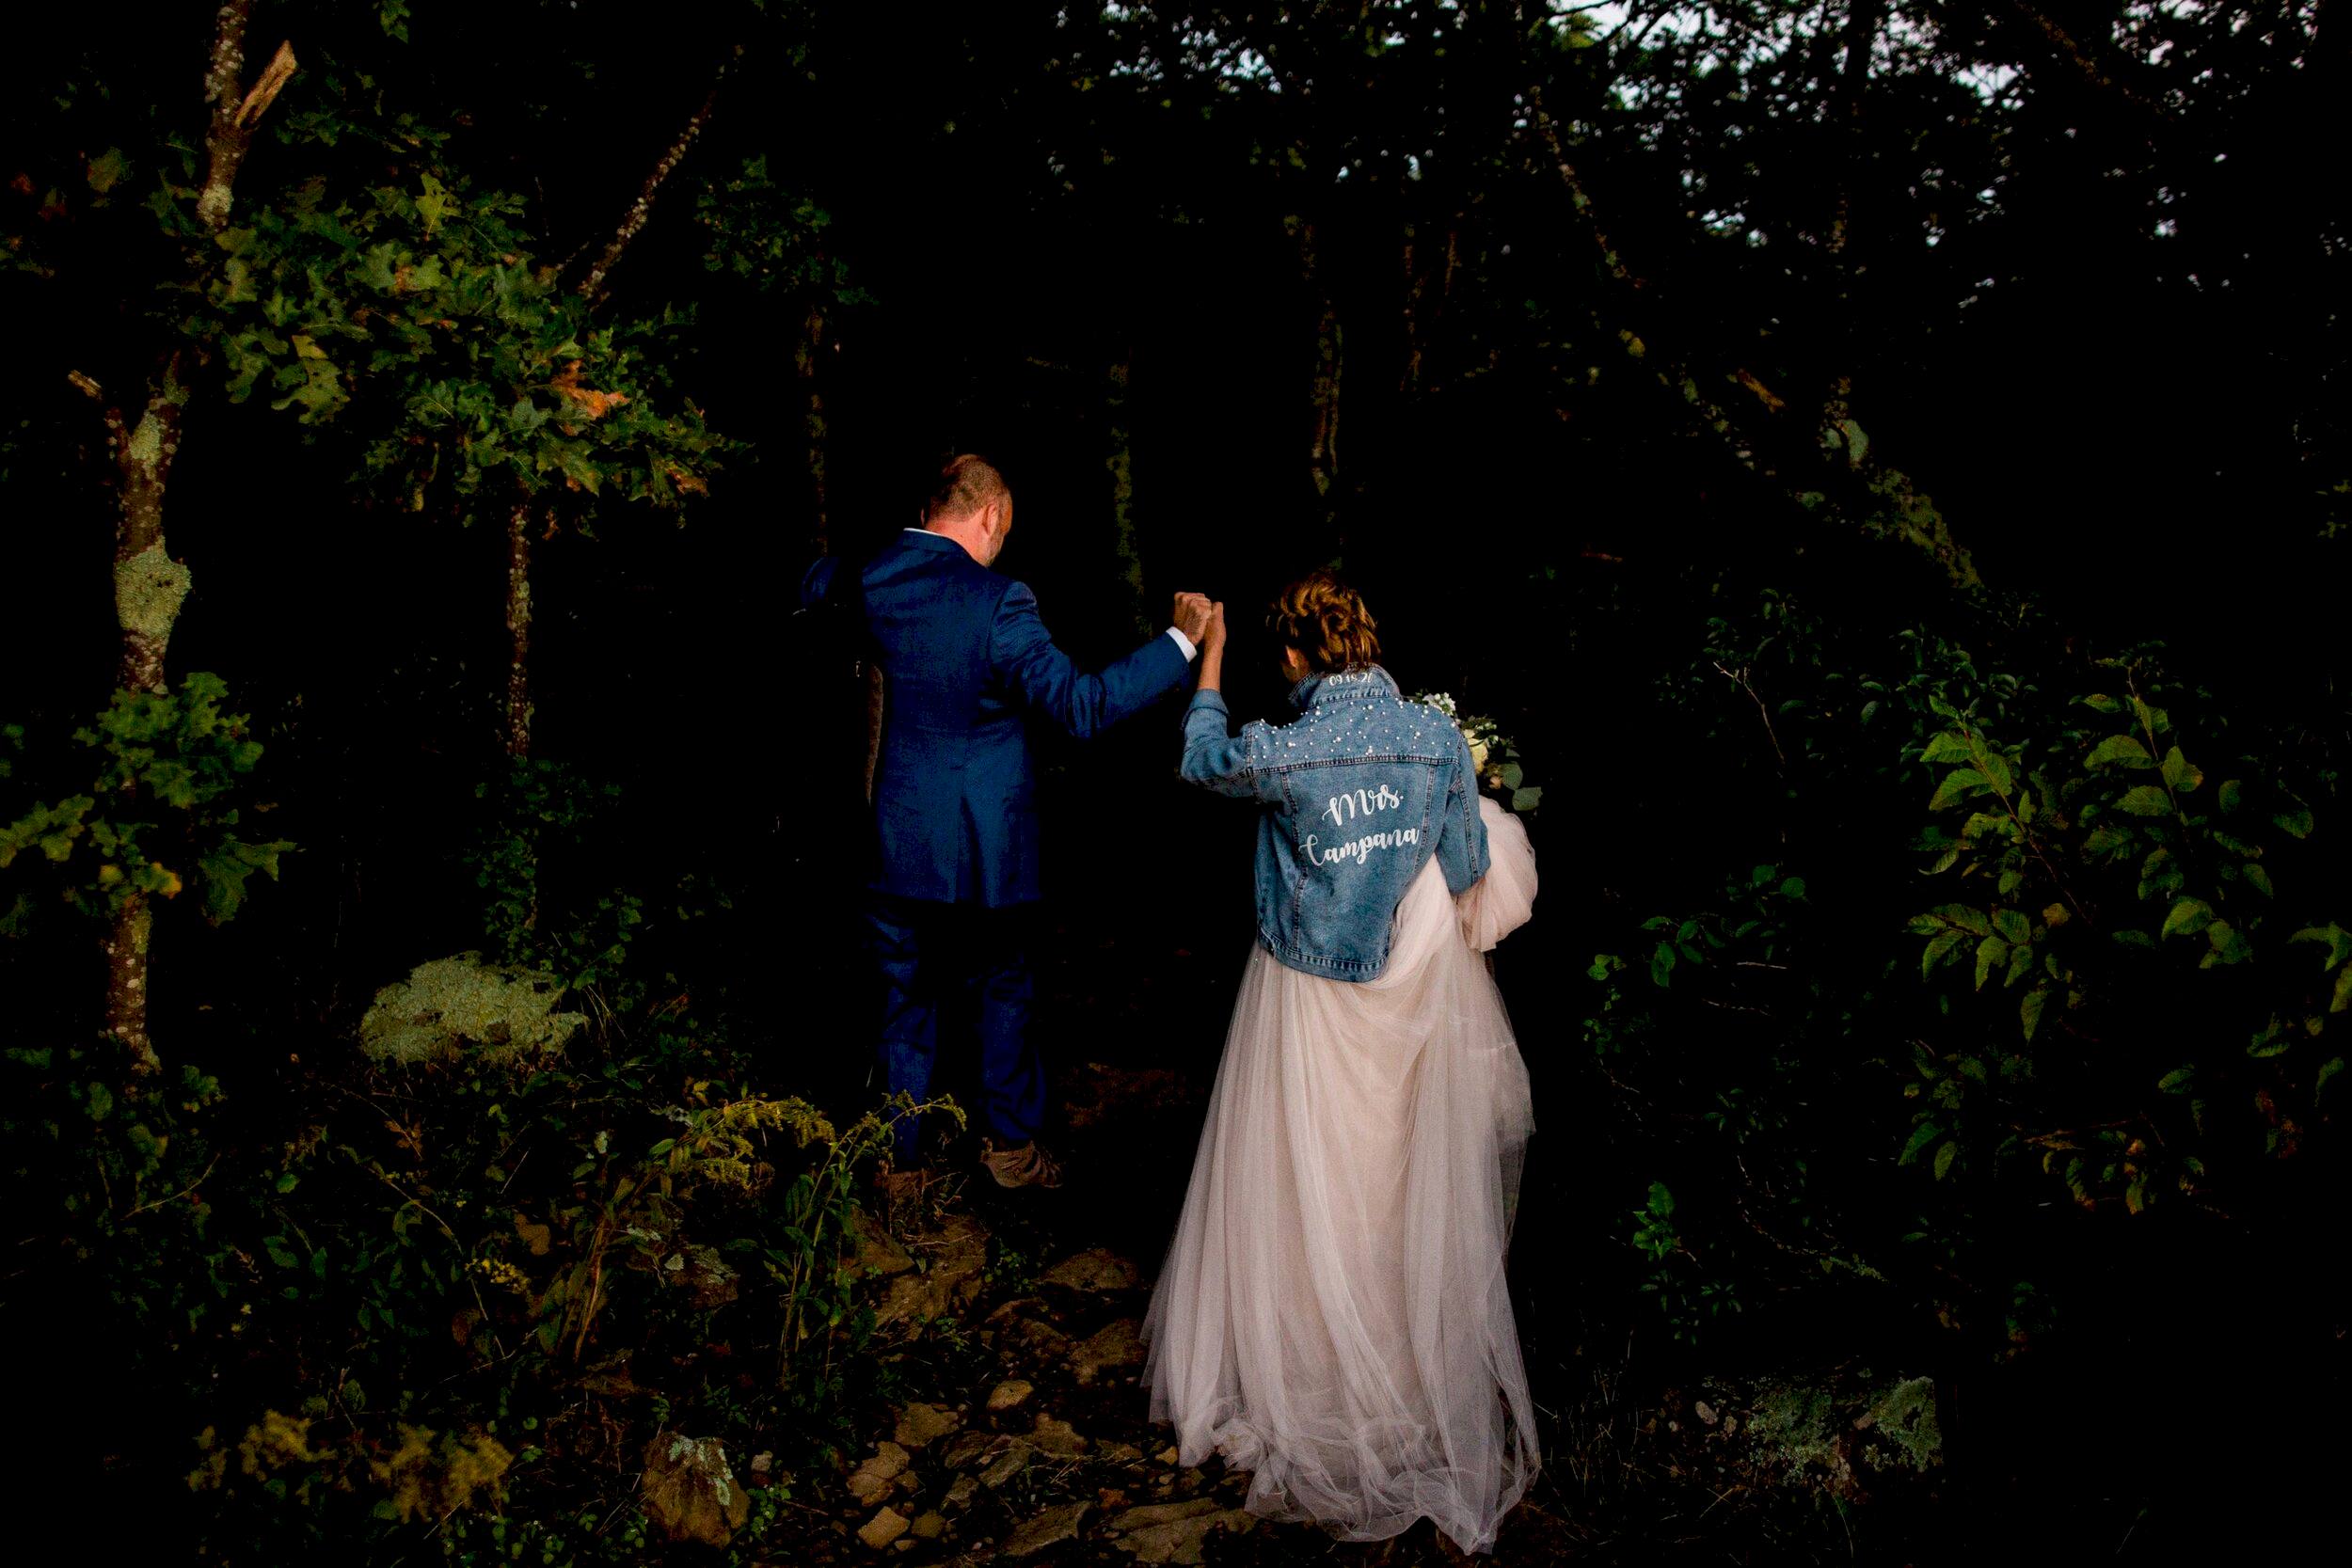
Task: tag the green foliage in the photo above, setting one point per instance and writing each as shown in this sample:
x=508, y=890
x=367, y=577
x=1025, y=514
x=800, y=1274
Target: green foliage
x=2120, y=995
x=154, y=816
x=2103, y=855
x=483, y=372
x=439, y=1295
x=771, y=239
x=546, y=904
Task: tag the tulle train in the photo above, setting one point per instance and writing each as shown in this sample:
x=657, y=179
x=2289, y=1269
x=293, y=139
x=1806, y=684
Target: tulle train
x=1333, y=1316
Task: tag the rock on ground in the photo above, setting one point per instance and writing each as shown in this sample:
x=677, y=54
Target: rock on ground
x=1173, y=1533
x=1006, y=1462
x=1009, y=1393
x=958, y=1254
x=1057, y=1437
x=883, y=1528
x=1097, y=1269
x=872, y=1480
x=919, y=1424
x=1119, y=1344
x=1053, y=1525
x=689, y=1492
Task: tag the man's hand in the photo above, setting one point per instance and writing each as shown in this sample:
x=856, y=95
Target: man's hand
x=1191, y=616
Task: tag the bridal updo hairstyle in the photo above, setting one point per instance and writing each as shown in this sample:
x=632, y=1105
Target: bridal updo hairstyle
x=1326, y=621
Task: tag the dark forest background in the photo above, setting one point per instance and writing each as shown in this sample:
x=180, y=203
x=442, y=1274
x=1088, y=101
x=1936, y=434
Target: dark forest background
x=1883, y=465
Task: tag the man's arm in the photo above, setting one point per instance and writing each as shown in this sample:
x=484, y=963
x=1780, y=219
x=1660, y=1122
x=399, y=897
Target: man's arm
x=1024, y=657
x=817, y=580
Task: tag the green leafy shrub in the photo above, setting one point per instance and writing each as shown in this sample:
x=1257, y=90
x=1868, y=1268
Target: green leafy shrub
x=155, y=814
x=1841, y=1082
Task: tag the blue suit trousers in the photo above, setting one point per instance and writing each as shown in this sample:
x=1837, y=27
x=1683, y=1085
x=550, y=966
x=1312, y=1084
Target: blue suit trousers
x=932, y=955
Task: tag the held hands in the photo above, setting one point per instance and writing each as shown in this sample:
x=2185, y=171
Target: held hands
x=1191, y=616
x=1212, y=649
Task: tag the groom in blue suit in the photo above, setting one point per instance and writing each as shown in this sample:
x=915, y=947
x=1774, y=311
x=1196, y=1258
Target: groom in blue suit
x=966, y=664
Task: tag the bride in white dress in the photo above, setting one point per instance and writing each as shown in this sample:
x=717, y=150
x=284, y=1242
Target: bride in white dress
x=1333, y=1316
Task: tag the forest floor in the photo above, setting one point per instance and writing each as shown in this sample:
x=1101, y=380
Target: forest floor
x=1017, y=1429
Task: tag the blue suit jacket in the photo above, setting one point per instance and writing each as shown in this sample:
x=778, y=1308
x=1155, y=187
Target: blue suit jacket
x=965, y=660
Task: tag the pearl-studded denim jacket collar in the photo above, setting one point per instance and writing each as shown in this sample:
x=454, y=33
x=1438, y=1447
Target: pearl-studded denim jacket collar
x=1355, y=797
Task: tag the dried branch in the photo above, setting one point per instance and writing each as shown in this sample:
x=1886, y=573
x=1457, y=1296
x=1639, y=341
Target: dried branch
x=275, y=77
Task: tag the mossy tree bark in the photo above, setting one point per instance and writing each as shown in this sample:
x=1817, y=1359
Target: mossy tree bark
x=518, y=521
x=150, y=585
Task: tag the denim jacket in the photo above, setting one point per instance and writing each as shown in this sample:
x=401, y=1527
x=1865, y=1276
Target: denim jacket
x=1356, y=795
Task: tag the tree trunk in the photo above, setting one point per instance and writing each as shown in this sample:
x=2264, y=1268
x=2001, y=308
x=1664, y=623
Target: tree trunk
x=151, y=586
x=1323, y=450
x=1119, y=458
x=518, y=630
x=806, y=356
x=1323, y=386
x=592, y=286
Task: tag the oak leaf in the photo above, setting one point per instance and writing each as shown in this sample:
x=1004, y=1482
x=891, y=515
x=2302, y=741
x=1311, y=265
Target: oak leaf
x=587, y=400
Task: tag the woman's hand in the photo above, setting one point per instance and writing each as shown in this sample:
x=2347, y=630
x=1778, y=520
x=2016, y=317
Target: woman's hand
x=1212, y=649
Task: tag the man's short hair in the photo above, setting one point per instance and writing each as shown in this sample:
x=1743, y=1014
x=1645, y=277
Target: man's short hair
x=965, y=484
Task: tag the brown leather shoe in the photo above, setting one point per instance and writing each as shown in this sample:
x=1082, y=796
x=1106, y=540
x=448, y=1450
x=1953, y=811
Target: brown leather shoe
x=1023, y=1166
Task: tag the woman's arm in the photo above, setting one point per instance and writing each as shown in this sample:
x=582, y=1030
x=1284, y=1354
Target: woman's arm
x=1214, y=759
x=1213, y=650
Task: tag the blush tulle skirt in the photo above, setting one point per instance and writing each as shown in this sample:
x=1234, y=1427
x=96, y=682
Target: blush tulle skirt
x=1332, y=1315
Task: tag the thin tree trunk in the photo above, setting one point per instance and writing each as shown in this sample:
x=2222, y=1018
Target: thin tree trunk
x=151, y=586
x=1322, y=453
x=1119, y=459
x=807, y=354
x=1863, y=18
x=632, y=221
x=519, y=629
x=1323, y=387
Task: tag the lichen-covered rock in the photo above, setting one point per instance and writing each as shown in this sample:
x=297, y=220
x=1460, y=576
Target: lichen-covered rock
x=1845, y=1430
x=702, y=1274
x=688, y=1491
x=458, y=1006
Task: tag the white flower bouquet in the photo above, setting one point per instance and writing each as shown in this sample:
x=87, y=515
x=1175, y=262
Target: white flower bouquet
x=1492, y=754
